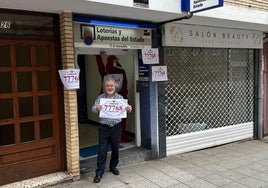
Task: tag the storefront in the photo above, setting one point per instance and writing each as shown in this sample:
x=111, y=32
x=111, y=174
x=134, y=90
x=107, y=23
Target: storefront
x=96, y=41
x=211, y=93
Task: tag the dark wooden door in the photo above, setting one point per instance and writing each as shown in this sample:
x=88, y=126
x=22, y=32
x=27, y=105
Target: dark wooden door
x=29, y=118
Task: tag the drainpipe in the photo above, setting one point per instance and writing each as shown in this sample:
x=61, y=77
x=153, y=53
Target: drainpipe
x=190, y=15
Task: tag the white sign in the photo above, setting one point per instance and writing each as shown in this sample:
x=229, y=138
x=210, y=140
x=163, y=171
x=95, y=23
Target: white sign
x=70, y=78
x=97, y=36
x=113, y=108
x=159, y=73
x=203, y=36
x=150, y=56
x=200, y=5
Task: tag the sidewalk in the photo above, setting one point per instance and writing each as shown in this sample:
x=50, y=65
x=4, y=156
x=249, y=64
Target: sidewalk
x=236, y=165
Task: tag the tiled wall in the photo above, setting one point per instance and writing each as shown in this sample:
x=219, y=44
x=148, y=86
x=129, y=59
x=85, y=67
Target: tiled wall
x=252, y=4
x=70, y=100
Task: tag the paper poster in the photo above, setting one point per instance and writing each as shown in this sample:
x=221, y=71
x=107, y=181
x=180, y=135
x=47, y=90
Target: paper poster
x=150, y=56
x=159, y=73
x=70, y=78
x=113, y=108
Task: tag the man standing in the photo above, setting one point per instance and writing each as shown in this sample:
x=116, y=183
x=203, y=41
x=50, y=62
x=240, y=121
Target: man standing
x=114, y=69
x=109, y=131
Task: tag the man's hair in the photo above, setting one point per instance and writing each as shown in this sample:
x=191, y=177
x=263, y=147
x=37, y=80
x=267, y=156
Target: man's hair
x=108, y=78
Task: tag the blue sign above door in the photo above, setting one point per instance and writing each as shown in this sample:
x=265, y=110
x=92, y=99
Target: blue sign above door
x=200, y=5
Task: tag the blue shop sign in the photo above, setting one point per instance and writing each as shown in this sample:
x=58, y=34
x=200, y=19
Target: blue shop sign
x=200, y=5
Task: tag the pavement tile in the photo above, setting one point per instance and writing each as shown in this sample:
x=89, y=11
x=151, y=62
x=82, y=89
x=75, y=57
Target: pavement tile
x=199, y=183
x=261, y=176
x=252, y=182
x=143, y=184
x=182, y=176
x=234, y=185
x=163, y=181
x=217, y=180
x=199, y=172
x=230, y=174
x=214, y=168
x=246, y=170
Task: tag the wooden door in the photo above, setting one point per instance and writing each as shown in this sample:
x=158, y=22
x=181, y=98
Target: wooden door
x=30, y=143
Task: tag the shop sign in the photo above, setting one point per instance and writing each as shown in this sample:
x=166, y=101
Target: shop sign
x=203, y=36
x=200, y=5
x=143, y=68
x=115, y=37
x=141, y=3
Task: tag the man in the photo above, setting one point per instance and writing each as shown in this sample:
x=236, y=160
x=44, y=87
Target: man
x=113, y=68
x=109, y=131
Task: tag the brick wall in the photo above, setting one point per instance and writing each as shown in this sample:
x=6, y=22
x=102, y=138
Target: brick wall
x=252, y=4
x=70, y=100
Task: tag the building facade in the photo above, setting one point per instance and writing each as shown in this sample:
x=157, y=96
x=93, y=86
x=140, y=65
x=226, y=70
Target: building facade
x=215, y=88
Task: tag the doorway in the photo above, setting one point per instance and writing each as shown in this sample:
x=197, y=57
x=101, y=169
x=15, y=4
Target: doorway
x=91, y=87
x=30, y=143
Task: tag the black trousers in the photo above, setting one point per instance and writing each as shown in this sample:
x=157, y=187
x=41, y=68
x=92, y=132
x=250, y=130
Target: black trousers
x=108, y=135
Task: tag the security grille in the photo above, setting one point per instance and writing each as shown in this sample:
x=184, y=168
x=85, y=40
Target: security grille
x=208, y=88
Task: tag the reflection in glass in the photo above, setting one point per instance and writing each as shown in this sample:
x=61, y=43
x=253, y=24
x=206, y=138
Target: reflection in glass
x=5, y=82
x=26, y=131
x=24, y=80
x=46, y=128
x=5, y=56
x=42, y=56
x=6, y=104
x=25, y=106
x=23, y=57
x=43, y=81
x=7, y=134
x=45, y=105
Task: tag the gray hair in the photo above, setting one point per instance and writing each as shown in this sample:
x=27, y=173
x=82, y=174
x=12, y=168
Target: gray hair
x=109, y=78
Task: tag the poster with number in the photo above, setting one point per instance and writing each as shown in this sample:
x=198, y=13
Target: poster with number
x=150, y=56
x=113, y=108
x=70, y=78
x=159, y=73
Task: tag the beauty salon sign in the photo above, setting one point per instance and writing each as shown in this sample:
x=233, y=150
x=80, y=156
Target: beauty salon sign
x=204, y=36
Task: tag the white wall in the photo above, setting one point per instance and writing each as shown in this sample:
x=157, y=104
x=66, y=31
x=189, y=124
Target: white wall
x=172, y=6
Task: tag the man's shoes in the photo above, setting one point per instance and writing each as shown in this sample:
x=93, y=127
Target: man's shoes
x=114, y=170
x=97, y=179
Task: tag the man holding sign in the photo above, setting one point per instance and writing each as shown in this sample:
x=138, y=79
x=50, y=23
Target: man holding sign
x=111, y=107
